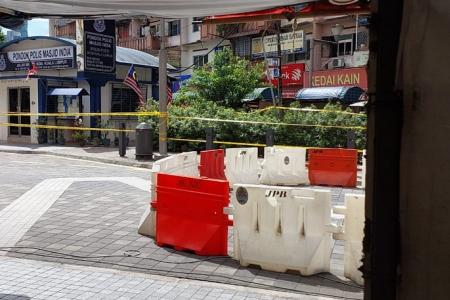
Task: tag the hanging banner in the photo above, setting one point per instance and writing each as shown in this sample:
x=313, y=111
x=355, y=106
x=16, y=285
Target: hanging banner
x=44, y=58
x=290, y=42
x=99, y=46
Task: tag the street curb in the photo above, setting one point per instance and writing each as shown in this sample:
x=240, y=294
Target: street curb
x=87, y=158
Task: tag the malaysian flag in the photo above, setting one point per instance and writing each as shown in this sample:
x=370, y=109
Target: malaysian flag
x=32, y=71
x=131, y=81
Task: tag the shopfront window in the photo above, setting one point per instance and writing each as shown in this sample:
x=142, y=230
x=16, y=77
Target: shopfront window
x=200, y=60
x=174, y=28
x=124, y=99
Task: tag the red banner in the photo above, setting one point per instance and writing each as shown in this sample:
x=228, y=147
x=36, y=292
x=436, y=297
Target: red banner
x=338, y=77
x=292, y=74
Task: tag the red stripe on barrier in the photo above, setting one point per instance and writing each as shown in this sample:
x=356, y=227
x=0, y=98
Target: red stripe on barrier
x=212, y=164
x=334, y=167
x=190, y=214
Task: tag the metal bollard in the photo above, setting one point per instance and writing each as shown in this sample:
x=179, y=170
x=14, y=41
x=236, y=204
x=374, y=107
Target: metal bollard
x=122, y=141
x=210, y=137
x=351, y=144
x=270, y=137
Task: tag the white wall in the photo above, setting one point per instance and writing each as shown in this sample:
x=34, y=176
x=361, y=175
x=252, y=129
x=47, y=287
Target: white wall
x=189, y=51
x=4, y=103
x=187, y=34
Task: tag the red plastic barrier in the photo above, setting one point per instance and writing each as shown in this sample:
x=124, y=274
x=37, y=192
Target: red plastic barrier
x=335, y=167
x=212, y=164
x=190, y=214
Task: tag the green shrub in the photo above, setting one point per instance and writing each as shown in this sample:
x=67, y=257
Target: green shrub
x=313, y=136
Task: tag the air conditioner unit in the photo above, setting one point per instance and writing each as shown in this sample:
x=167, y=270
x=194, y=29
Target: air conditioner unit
x=336, y=63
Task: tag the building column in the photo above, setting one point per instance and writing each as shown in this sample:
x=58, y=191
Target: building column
x=95, y=103
x=42, y=95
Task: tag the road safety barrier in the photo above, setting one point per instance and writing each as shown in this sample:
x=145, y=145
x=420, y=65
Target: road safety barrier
x=212, y=164
x=364, y=170
x=164, y=115
x=282, y=228
x=352, y=233
x=334, y=167
x=87, y=114
x=185, y=164
x=190, y=214
x=284, y=166
x=242, y=166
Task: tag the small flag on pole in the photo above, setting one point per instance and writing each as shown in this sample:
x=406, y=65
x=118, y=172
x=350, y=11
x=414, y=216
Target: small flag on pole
x=32, y=71
x=131, y=81
x=169, y=94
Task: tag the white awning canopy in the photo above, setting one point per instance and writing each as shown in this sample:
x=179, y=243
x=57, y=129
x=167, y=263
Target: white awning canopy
x=127, y=8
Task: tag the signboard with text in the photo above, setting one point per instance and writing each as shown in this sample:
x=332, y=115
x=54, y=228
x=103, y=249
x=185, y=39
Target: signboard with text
x=291, y=42
x=292, y=74
x=62, y=57
x=338, y=77
x=99, y=46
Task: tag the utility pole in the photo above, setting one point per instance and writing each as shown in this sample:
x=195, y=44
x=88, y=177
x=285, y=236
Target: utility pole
x=280, y=74
x=163, y=91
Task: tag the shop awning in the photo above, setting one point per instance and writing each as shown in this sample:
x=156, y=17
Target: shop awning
x=122, y=9
x=67, y=92
x=347, y=94
x=310, y=9
x=263, y=94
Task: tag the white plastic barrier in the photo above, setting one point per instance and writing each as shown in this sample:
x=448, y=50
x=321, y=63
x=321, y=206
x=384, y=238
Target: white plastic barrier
x=352, y=233
x=282, y=228
x=363, y=173
x=284, y=166
x=186, y=164
x=242, y=166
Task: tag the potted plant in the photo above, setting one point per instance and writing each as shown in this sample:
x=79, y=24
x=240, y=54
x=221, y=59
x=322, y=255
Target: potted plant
x=51, y=137
x=104, y=134
x=79, y=137
x=96, y=141
x=61, y=138
x=41, y=132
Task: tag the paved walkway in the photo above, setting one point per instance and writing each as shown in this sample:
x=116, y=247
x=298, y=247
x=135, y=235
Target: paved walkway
x=100, y=154
x=22, y=279
x=93, y=222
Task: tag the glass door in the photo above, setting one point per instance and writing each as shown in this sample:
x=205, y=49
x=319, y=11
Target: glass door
x=19, y=102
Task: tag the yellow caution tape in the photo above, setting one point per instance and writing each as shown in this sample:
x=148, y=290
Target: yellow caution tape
x=311, y=110
x=167, y=139
x=185, y=140
x=244, y=144
x=115, y=114
x=65, y=127
x=240, y=144
x=269, y=123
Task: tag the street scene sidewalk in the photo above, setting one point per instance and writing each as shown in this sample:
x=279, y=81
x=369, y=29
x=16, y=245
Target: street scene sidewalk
x=100, y=154
x=22, y=279
x=76, y=212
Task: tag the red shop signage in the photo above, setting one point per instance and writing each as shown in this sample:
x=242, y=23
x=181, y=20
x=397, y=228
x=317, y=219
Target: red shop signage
x=292, y=74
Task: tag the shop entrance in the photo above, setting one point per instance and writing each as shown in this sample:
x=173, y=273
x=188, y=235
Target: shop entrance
x=19, y=102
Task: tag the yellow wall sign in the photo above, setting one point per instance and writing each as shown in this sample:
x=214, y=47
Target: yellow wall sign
x=291, y=42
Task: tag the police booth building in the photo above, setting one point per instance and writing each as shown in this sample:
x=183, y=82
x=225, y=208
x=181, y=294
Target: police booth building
x=62, y=85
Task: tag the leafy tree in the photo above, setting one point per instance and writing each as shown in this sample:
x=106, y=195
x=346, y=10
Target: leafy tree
x=2, y=36
x=226, y=80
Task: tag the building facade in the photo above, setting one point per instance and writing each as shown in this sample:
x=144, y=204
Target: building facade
x=334, y=48
x=60, y=87
x=339, y=50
